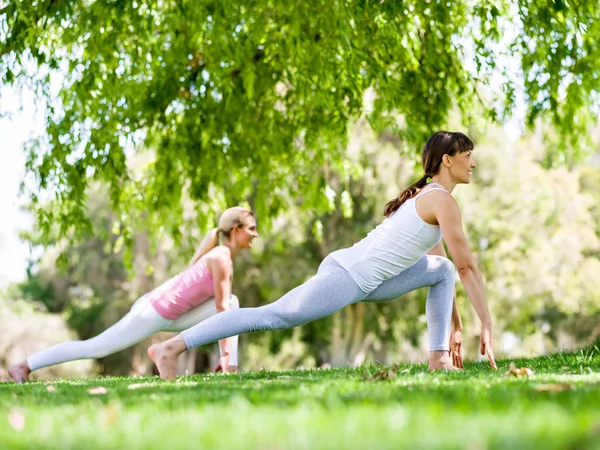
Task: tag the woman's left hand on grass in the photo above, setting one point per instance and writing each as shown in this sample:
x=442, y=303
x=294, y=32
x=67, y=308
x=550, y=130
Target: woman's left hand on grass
x=223, y=365
x=486, y=344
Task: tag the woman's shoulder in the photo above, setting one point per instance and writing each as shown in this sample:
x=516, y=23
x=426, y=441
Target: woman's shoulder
x=218, y=261
x=220, y=253
x=437, y=202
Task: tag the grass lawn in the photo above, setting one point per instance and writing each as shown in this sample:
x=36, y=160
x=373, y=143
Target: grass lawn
x=370, y=407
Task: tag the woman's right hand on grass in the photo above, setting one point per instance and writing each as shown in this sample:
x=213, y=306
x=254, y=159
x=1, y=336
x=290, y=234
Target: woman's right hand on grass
x=455, y=347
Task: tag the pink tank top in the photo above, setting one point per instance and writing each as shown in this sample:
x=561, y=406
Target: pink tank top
x=184, y=291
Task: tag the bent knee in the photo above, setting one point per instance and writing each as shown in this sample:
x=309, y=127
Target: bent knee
x=444, y=267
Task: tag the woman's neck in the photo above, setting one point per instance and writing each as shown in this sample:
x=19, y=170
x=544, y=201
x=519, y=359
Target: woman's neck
x=444, y=181
x=233, y=249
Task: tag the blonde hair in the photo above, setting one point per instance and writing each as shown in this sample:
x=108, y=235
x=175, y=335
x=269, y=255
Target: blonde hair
x=230, y=219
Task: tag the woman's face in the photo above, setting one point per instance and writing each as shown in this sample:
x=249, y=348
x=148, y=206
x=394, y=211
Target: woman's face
x=246, y=233
x=462, y=166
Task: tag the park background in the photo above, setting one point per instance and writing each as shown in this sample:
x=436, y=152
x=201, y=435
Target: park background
x=150, y=118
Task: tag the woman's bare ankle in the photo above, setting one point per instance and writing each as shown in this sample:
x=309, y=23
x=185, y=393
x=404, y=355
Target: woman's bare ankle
x=440, y=360
x=176, y=345
x=164, y=355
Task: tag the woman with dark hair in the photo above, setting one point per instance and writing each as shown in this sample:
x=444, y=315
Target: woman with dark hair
x=199, y=292
x=403, y=253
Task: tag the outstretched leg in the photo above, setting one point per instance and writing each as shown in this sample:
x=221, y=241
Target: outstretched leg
x=138, y=324
x=438, y=273
x=329, y=291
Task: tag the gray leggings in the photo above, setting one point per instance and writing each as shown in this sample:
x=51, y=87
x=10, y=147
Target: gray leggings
x=329, y=291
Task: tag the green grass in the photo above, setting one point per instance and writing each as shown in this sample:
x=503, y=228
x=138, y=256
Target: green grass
x=365, y=408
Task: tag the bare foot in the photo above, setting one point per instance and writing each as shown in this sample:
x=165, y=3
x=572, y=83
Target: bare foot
x=165, y=359
x=19, y=372
x=439, y=360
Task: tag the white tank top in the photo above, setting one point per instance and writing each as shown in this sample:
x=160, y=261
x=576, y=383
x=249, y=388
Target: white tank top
x=393, y=246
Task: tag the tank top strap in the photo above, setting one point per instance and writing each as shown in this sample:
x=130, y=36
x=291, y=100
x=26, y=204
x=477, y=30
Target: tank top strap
x=433, y=183
x=429, y=190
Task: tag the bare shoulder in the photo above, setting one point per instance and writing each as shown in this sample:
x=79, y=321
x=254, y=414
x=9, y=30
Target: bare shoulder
x=436, y=198
x=445, y=208
x=220, y=256
x=435, y=203
x=444, y=199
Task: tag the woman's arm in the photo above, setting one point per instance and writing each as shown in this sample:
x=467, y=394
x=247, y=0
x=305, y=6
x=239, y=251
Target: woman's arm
x=222, y=271
x=448, y=216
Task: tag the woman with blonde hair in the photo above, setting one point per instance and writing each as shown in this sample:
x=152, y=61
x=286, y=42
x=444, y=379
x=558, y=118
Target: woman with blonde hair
x=403, y=253
x=199, y=292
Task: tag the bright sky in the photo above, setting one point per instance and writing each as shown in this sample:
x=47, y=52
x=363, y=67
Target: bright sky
x=24, y=123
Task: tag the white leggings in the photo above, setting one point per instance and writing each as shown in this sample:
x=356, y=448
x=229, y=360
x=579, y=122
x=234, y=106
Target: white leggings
x=332, y=289
x=139, y=323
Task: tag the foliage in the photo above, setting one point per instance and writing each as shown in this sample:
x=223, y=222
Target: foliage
x=249, y=100
x=534, y=232
x=86, y=282
x=535, y=237
x=26, y=329
x=539, y=273
x=340, y=408
x=292, y=251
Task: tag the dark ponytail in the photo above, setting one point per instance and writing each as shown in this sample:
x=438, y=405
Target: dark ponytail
x=439, y=144
x=406, y=194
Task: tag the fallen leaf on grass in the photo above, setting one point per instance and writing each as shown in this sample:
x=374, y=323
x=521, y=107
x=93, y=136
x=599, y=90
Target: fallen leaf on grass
x=518, y=372
x=16, y=418
x=553, y=387
x=97, y=390
x=383, y=374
